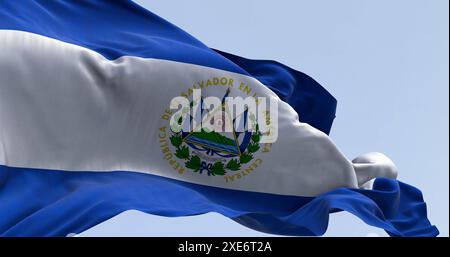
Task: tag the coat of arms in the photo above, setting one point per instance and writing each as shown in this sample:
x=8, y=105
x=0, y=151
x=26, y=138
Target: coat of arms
x=217, y=152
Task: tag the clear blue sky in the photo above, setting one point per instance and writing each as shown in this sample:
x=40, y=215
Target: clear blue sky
x=385, y=61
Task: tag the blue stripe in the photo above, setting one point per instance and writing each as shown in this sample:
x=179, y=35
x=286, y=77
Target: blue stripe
x=119, y=28
x=54, y=203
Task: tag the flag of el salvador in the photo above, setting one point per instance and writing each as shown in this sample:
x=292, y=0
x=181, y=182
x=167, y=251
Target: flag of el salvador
x=85, y=88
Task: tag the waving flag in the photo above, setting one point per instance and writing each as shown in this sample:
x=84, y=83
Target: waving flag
x=85, y=88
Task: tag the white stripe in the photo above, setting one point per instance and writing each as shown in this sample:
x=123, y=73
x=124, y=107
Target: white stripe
x=66, y=107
